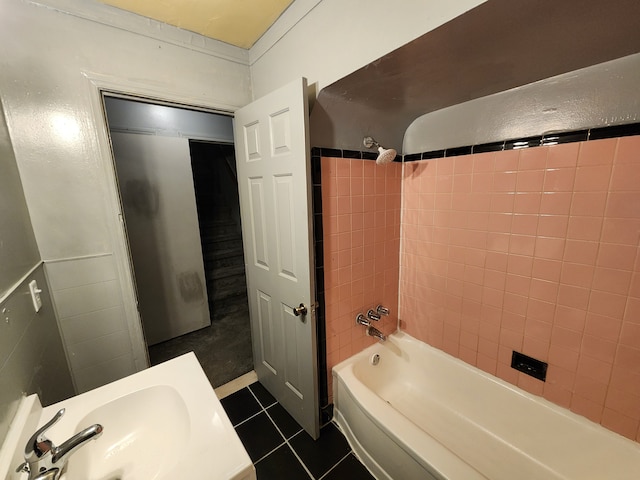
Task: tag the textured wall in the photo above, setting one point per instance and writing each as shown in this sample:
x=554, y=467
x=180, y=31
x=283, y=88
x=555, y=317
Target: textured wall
x=31, y=356
x=89, y=309
x=600, y=95
x=361, y=224
x=58, y=134
x=46, y=57
x=313, y=45
x=534, y=250
x=18, y=249
x=32, y=359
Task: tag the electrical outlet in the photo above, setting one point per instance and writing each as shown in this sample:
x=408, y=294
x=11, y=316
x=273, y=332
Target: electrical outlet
x=35, y=295
x=530, y=366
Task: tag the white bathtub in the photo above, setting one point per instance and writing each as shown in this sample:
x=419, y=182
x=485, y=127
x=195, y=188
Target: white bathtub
x=422, y=414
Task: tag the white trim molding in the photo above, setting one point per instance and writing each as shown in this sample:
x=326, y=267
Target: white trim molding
x=103, y=14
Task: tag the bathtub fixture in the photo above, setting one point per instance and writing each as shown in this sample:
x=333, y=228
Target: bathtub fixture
x=385, y=155
x=371, y=315
x=362, y=320
x=423, y=414
x=380, y=310
x=375, y=359
x=43, y=460
x=374, y=332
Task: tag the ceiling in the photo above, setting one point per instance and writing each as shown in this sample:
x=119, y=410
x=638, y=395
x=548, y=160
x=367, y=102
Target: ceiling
x=494, y=47
x=237, y=22
x=497, y=46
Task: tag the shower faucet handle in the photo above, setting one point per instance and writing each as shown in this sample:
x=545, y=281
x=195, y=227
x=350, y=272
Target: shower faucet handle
x=371, y=315
x=362, y=320
x=382, y=310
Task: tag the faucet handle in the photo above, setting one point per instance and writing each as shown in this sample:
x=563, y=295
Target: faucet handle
x=371, y=315
x=39, y=445
x=362, y=320
x=382, y=310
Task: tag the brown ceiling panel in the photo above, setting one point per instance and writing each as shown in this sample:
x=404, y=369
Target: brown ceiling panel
x=497, y=46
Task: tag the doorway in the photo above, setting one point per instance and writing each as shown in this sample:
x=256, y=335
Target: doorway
x=183, y=163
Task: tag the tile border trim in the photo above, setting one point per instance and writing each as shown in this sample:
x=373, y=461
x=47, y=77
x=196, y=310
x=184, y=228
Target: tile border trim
x=598, y=133
x=351, y=154
x=546, y=139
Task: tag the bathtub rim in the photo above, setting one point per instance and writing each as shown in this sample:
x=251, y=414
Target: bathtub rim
x=443, y=463
x=358, y=449
x=402, y=336
x=621, y=444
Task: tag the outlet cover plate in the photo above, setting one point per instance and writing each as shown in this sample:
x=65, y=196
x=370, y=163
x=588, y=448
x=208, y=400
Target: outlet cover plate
x=530, y=366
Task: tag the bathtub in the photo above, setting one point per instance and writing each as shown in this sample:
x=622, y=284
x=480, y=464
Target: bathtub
x=422, y=414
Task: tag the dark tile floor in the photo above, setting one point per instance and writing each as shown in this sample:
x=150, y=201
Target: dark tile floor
x=278, y=446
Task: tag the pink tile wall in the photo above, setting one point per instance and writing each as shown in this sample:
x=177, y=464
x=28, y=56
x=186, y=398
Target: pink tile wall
x=361, y=224
x=534, y=250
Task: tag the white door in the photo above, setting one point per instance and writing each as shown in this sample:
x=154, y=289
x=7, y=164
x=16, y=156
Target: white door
x=272, y=153
x=158, y=200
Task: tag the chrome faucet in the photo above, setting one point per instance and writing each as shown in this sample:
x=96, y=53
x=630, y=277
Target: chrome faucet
x=362, y=320
x=45, y=461
x=380, y=310
x=374, y=332
x=371, y=315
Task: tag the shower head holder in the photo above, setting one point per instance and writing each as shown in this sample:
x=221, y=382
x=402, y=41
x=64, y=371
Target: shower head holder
x=369, y=142
x=385, y=155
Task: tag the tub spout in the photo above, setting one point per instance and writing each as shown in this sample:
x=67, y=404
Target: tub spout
x=374, y=332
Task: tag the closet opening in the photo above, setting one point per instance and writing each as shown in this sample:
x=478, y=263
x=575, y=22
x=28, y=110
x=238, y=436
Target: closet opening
x=175, y=170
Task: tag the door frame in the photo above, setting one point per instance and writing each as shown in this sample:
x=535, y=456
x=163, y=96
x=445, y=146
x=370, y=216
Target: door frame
x=97, y=86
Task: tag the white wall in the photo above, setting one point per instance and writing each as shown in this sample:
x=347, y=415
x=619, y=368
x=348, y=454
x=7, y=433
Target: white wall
x=600, y=95
x=48, y=61
x=337, y=37
x=18, y=248
x=45, y=56
x=55, y=53
x=32, y=359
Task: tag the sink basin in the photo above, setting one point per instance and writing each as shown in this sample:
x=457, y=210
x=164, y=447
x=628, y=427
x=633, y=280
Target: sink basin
x=145, y=434
x=162, y=423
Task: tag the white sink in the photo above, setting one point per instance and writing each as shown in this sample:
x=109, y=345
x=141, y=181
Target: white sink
x=145, y=434
x=162, y=423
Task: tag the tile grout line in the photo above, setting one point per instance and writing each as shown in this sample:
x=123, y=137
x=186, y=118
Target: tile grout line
x=262, y=409
x=333, y=468
x=285, y=442
x=302, y=462
x=278, y=428
x=293, y=450
x=248, y=387
x=269, y=453
x=247, y=419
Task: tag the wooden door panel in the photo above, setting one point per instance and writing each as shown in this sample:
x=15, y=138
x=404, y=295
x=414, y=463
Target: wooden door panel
x=258, y=223
x=285, y=226
x=275, y=200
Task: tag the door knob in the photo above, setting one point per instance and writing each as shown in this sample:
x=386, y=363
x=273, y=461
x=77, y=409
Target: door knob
x=301, y=310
